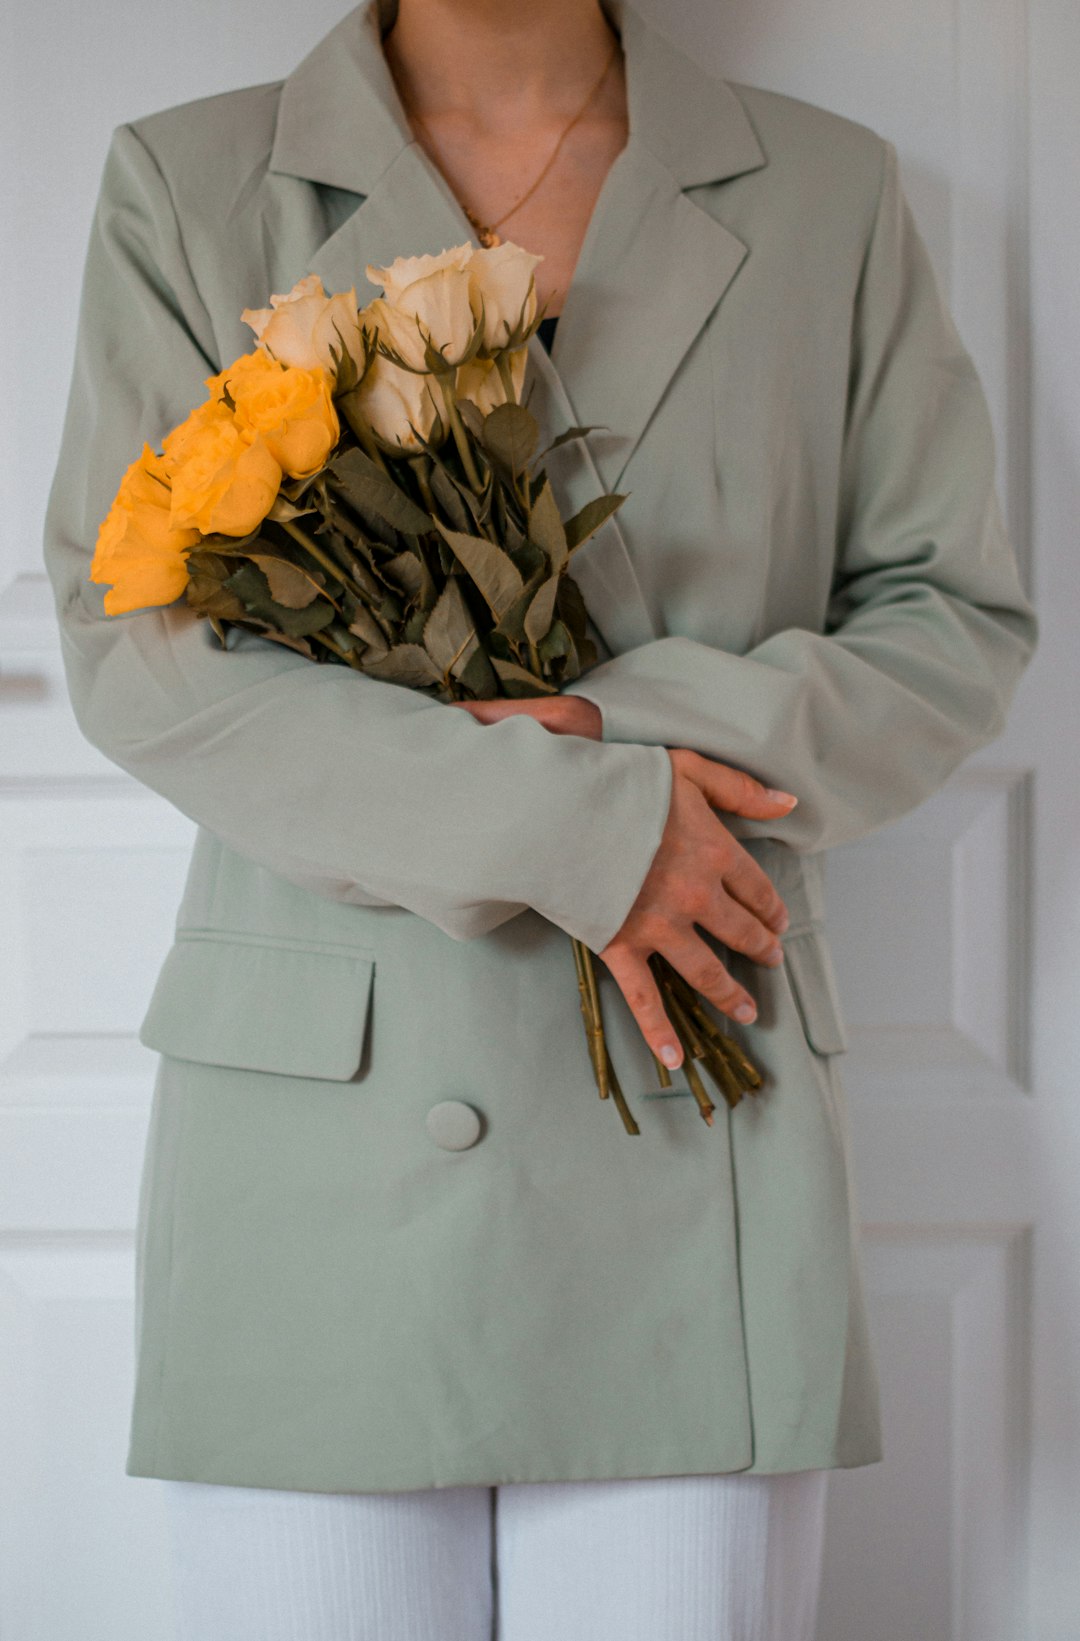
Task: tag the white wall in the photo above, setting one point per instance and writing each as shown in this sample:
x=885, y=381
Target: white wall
x=70, y=73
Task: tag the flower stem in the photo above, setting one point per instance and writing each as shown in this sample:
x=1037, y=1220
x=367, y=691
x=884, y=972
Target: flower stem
x=506, y=377
x=456, y=428
x=309, y=546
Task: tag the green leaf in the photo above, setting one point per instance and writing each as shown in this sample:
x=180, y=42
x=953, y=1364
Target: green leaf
x=450, y=628
x=510, y=434
x=490, y=567
x=591, y=517
x=367, y=487
x=546, y=527
x=541, y=611
x=408, y=664
x=519, y=683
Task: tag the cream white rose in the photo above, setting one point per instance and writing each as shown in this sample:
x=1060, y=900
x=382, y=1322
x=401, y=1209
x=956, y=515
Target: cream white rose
x=503, y=276
x=479, y=381
x=406, y=270
x=389, y=399
x=301, y=327
x=426, y=299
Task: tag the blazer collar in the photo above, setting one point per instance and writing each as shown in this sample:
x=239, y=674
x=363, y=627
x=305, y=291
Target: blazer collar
x=653, y=266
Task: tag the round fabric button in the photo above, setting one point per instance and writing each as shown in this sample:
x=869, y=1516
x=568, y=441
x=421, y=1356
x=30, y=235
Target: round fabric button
x=453, y=1125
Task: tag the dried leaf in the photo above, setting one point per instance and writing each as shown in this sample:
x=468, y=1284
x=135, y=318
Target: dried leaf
x=283, y=510
x=541, y=611
x=512, y=623
x=518, y=682
x=478, y=675
x=408, y=664
x=546, y=527
x=449, y=497
x=289, y=584
x=450, y=628
x=251, y=586
x=300, y=644
x=368, y=488
x=490, y=567
x=409, y=572
x=509, y=435
x=591, y=517
x=364, y=626
x=564, y=438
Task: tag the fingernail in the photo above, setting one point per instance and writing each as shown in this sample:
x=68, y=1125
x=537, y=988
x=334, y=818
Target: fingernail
x=782, y=922
x=669, y=1054
x=745, y=1013
x=777, y=796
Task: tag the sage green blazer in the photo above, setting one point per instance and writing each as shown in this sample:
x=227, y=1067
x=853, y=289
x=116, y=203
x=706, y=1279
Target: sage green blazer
x=388, y=1236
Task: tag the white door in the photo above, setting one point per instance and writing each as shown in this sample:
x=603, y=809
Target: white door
x=957, y=932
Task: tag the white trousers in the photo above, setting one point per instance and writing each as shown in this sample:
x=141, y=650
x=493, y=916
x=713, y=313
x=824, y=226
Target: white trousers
x=670, y=1558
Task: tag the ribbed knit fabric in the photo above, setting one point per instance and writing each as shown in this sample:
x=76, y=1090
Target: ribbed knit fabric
x=679, y=1558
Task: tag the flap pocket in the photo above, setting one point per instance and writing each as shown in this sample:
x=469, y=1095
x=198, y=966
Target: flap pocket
x=809, y=966
x=260, y=1004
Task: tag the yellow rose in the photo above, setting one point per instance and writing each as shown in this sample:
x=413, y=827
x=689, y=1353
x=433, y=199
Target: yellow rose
x=503, y=276
x=303, y=327
x=291, y=409
x=139, y=551
x=176, y=444
x=226, y=481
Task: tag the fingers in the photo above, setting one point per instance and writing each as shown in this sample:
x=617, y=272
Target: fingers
x=635, y=980
x=699, y=965
x=733, y=789
x=743, y=931
x=750, y=885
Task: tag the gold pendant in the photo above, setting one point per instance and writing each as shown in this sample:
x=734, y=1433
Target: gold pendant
x=485, y=234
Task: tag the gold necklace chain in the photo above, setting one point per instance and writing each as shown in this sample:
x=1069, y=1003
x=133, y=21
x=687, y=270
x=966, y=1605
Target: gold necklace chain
x=486, y=231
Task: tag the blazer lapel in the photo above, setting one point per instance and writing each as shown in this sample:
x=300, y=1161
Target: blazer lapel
x=651, y=270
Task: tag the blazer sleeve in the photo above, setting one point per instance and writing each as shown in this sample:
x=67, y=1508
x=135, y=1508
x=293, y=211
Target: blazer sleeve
x=345, y=785
x=928, y=629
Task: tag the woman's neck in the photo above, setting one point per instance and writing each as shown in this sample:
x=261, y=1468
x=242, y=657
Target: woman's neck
x=497, y=66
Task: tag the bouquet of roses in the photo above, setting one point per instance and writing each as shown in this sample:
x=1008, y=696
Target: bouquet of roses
x=364, y=487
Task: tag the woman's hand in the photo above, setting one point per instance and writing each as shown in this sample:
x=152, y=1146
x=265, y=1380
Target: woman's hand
x=700, y=874
x=562, y=714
